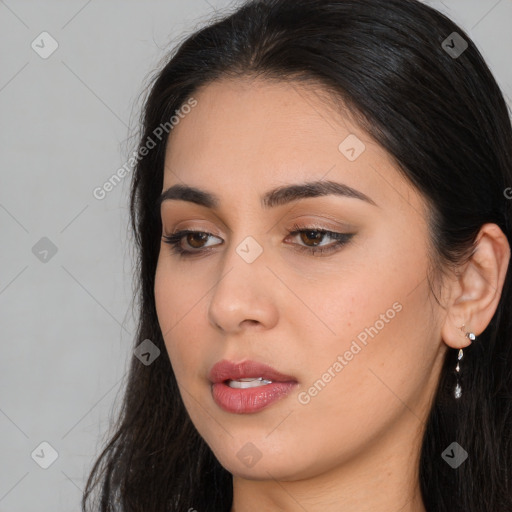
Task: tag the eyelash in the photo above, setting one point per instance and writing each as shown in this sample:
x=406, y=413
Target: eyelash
x=340, y=239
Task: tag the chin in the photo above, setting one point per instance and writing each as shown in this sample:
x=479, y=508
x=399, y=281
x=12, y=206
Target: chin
x=256, y=461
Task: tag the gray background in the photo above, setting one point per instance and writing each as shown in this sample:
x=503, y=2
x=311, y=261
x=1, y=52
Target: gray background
x=65, y=318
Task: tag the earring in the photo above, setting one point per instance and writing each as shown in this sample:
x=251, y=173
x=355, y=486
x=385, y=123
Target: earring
x=458, y=389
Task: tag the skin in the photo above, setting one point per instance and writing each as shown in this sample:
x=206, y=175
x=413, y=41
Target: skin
x=354, y=447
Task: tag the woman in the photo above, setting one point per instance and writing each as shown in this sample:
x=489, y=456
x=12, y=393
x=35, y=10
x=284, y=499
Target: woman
x=324, y=234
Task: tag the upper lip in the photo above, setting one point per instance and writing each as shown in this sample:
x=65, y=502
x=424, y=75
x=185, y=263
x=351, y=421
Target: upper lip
x=228, y=370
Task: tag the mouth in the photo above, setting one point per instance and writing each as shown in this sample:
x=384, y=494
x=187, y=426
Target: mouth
x=248, y=387
x=248, y=383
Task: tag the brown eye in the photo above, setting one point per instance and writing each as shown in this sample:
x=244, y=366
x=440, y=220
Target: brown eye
x=196, y=240
x=315, y=241
x=311, y=236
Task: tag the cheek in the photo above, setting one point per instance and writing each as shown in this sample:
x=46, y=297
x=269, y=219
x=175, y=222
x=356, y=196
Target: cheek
x=360, y=322
x=380, y=343
x=179, y=294
x=374, y=315
x=177, y=306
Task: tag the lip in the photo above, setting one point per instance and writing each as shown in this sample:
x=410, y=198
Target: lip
x=228, y=370
x=248, y=400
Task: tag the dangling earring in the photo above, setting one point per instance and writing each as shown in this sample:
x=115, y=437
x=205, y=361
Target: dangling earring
x=458, y=389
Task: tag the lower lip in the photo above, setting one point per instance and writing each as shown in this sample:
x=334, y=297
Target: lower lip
x=244, y=401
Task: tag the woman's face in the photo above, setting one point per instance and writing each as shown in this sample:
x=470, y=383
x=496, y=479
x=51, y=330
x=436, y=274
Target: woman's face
x=353, y=331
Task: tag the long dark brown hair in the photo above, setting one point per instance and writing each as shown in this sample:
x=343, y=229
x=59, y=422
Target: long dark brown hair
x=443, y=118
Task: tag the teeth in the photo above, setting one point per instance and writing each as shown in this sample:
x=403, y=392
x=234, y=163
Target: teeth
x=248, y=383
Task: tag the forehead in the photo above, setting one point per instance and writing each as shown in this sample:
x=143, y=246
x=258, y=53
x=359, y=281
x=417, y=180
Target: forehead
x=253, y=134
x=246, y=116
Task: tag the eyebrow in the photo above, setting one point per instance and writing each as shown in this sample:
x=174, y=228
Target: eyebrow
x=275, y=197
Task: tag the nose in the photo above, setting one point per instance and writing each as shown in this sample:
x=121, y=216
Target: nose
x=243, y=296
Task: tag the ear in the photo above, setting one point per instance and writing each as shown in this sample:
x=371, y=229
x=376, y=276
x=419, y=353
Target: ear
x=475, y=293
